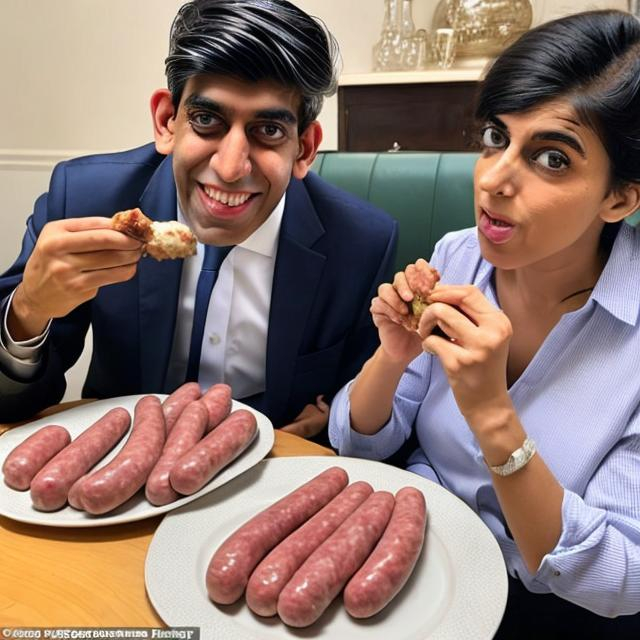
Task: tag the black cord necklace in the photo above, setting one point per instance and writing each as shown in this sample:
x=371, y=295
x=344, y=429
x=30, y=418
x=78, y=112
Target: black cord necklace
x=577, y=293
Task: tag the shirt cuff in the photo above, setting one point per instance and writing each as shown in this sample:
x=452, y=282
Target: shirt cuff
x=20, y=358
x=378, y=446
x=582, y=529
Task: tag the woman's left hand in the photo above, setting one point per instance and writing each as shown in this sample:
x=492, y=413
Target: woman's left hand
x=474, y=356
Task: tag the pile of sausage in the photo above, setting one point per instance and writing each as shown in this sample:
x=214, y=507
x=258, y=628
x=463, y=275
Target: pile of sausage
x=174, y=448
x=297, y=555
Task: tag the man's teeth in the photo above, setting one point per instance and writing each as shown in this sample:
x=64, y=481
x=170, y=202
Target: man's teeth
x=498, y=223
x=230, y=199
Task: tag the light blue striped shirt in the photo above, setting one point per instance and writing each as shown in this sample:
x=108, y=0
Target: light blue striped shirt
x=578, y=399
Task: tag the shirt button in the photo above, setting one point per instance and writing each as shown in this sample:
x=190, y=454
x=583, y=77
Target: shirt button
x=556, y=573
x=214, y=338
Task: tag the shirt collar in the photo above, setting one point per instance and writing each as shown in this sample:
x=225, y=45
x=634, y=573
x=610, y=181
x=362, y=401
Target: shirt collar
x=264, y=239
x=617, y=288
x=614, y=290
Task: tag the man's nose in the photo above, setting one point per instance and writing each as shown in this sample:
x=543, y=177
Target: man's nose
x=231, y=160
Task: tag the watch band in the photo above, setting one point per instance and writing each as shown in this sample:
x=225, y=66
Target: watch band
x=518, y=459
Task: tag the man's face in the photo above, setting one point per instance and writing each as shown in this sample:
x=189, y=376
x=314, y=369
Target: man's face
x=235, y=147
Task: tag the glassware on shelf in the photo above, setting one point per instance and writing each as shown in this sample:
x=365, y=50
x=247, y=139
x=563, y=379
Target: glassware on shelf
x=425, y=55
x=386, y=50
x=483, y=29
x=407, y=53
x=444, y=47
x=418, y=55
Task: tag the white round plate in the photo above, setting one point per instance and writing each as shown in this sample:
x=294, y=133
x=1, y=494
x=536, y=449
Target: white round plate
x=457, y=590
x=17, y=504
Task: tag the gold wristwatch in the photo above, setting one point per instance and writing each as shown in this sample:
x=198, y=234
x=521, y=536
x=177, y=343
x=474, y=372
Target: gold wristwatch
x=518, y=459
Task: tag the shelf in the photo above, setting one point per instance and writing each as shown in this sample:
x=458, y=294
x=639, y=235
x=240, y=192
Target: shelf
x=455, y=74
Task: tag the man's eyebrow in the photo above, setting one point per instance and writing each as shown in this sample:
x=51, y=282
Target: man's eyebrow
x=195, y=100
x=276, y=114
x=281, y=115
x=558, y=136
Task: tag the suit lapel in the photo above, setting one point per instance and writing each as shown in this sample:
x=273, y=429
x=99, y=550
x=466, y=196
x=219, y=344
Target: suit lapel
x=159, y=284
x=297, y=272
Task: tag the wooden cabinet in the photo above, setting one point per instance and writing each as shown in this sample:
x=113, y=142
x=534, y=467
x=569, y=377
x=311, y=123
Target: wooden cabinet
x=425, y=116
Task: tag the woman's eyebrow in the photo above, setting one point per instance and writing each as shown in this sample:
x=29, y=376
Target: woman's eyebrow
x=499, y=123
x=559, y=136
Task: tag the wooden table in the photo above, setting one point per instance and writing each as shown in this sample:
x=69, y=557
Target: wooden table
x=92, y=577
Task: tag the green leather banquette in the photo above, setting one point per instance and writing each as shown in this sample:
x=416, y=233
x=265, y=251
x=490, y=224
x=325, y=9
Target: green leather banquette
x=429, y=193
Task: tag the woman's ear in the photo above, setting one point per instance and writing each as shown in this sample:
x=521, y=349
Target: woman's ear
x=309, y=142
x=622, y=202
x=163, y=116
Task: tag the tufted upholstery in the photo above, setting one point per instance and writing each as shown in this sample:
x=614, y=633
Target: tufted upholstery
x=429, y=193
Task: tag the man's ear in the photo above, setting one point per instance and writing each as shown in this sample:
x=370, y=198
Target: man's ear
x=309, y=142
x=163, y=116
x=622, y=202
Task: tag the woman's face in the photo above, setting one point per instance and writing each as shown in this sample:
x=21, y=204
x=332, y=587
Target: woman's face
x=541, y=188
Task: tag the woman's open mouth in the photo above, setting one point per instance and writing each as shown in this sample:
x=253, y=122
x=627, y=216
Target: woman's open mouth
x=495, y=229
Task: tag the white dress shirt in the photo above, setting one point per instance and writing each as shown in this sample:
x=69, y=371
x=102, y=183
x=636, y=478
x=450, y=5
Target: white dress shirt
x=22, y=359
x=234, y=346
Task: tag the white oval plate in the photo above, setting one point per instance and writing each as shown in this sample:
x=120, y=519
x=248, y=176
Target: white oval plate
x=17, y=504
x=457, y=590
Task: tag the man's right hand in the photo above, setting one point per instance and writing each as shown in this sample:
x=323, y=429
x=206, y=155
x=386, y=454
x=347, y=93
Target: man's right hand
x=71, y=260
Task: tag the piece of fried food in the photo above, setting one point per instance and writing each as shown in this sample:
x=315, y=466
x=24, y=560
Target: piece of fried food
x=162, y=240
x=422, y=278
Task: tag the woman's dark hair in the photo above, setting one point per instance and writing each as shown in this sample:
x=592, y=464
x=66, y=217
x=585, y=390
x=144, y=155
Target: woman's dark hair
x=591, y=59
x=254, y=40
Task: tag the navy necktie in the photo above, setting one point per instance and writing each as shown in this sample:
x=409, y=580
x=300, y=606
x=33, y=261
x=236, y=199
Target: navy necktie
x=213, y=258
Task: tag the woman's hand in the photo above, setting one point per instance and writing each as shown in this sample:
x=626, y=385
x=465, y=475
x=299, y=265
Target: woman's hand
x=392, y=316
x=474, y=356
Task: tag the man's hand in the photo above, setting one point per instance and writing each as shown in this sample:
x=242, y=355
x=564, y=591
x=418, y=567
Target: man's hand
x=311, y=421
x=71, y=260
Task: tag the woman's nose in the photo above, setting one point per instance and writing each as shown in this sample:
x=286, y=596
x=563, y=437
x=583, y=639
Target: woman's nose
x=497, y=176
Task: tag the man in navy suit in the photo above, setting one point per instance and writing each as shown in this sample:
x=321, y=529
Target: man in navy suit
x=235, y=135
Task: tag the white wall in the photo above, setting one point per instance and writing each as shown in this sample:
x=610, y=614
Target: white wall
x=77, y=75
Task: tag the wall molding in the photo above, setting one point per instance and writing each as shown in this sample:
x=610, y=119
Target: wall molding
x=37, y=159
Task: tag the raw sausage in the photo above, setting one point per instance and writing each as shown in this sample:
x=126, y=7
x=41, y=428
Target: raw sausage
x=218, y=402
x=321, y=577
x=50, y=486
x=273, y=573
x=22, y=464
x=187, y=431
x=174, y=405
x=214, y=452
x=235, y=559
x=113, y=484
x=390, y=564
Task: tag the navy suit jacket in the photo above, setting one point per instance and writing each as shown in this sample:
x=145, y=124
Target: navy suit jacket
x=333, y=252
